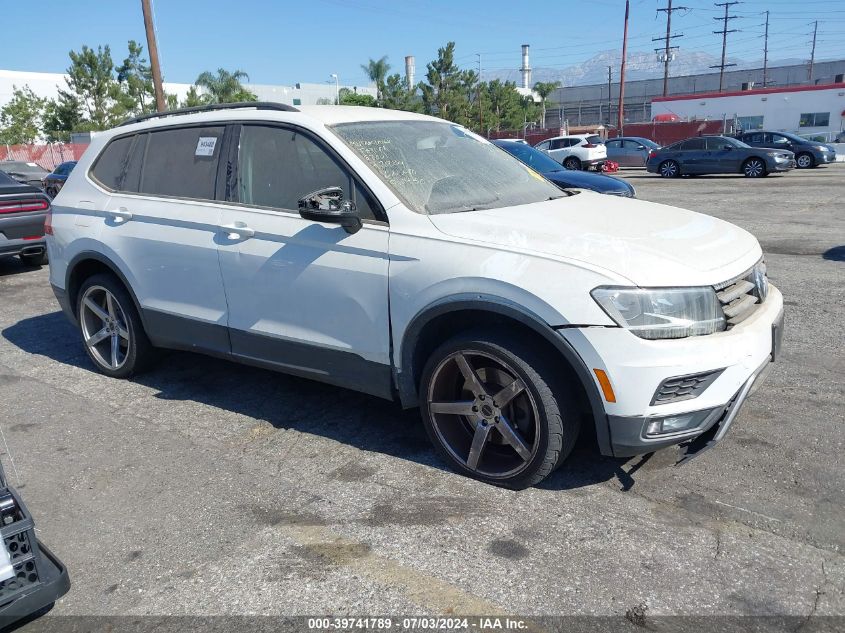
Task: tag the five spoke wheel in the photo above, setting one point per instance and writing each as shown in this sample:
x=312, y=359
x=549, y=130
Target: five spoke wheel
x=104, y=327
x=483, y=414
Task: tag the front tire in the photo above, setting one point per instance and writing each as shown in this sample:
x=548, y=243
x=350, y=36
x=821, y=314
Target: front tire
x=669, y=169
x=492, y=407
x=754, y=168
x=805, y=161
x=111, y=328
x=573, y=163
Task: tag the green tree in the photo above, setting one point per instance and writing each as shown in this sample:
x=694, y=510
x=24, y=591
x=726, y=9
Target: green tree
x=61, y=117
x=20, y=118
x=377, y=70
x=396, y=96
x=348, y=97
x=505, y=106
x=193, y=98
x=224, y=87
x=136, y=81
x=544, y=89
x=444, y=93
x=91, y=81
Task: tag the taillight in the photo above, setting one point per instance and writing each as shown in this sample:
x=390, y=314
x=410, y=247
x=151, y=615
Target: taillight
x=590, y=145
x=48, y=222
x=652, y=153
x=19, y=206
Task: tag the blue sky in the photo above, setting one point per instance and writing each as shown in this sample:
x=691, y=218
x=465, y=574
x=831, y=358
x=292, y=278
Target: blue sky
x=282, y=42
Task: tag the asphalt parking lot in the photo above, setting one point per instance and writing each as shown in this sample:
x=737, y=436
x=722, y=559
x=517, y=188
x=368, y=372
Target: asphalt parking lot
x=205, y=487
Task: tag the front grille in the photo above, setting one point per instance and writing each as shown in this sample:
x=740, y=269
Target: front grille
x=686, y=387
x=741, y=295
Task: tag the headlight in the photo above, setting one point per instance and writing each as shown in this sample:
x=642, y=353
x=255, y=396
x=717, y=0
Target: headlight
x=663, y=312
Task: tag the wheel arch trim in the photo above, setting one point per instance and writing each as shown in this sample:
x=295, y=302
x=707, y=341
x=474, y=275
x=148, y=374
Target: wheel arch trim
x=406, y=379
x=108, y=263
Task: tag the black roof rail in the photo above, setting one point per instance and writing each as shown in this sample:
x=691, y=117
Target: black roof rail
x=258, y=105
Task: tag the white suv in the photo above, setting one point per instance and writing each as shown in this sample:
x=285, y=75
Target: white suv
x=403, y=256
x=578, y=151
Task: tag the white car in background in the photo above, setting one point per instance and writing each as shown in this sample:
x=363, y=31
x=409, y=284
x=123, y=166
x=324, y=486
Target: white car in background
x=403, y=256
x=577, y=151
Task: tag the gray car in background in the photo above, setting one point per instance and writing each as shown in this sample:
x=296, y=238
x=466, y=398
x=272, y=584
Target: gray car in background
x=717, y=155
x=630, y=151
x=23, y=171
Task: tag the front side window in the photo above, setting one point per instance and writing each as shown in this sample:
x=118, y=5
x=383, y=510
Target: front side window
x=182, y=162
x=615, y=144
x=543, y=146
x=814, y=119
x=278, y=166
x=750, y=122
x=438, y=167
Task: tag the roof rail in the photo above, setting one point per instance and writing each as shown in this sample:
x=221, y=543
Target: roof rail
x=258, y=105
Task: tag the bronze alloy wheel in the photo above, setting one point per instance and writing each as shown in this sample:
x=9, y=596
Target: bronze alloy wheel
x=483, y=414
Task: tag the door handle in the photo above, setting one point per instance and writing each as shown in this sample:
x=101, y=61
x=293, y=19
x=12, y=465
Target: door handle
x=120, y=215
x=237, y=231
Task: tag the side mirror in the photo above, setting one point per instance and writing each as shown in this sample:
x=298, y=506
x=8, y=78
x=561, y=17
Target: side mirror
x=727, y=146
x=328, y=205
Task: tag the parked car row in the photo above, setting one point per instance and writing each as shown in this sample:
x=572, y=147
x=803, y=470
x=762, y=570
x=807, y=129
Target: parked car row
x=30, y=173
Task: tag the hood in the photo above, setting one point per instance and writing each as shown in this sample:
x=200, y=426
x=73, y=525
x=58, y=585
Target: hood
x=587, y=180
x=647, y=243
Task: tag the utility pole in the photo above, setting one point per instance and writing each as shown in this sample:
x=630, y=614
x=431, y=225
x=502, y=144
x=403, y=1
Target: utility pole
x=152, y=47
x=620, y=117
x=609, y=80
x=724, y=33
x=480, y=104
x=766, y=53
x=813, y=52
x=668, y=48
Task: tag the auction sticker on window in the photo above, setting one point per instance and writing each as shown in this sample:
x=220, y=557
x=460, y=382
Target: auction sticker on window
x=205, y=146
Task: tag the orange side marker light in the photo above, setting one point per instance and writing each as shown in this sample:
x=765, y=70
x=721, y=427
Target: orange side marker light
x=606, y=388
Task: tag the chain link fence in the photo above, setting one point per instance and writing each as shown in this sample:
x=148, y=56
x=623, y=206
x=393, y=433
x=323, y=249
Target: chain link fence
x=45, y=155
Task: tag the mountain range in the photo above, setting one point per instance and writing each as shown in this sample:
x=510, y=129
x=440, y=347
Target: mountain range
x=641, y=65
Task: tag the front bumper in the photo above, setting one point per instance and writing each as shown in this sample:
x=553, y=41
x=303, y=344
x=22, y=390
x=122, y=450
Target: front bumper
x=825, y=158
x=637, y=367
x=785, y=165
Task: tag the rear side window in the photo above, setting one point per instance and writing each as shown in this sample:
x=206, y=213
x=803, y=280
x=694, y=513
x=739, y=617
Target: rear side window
x=594, y=140
x=182, y=162
x=111, y=164
x=614, y=144
x=693, y=144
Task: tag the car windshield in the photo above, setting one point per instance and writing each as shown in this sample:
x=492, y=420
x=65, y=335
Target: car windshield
x=443, y=168
x=534, y=158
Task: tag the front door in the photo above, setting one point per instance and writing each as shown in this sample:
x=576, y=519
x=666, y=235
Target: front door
x=305, y=297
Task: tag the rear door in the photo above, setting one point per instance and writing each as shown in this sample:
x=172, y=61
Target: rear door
x=692, y=156
x=305, y=297
x=161, y=223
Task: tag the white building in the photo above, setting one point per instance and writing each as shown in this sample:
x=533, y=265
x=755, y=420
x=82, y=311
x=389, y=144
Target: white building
x=805, y=110
x=48, y=84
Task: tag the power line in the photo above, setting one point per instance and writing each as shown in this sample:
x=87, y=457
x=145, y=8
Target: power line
x=668, y=48
x=724, y=33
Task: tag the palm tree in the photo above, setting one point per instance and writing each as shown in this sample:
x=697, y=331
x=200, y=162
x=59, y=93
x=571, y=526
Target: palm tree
x=544, y=89
x=377, y=70
x=225, y=87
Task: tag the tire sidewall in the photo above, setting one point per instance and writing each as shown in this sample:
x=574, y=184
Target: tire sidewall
x=666, y=164
x=541, y=392
x=808, y=158
x=133, y=324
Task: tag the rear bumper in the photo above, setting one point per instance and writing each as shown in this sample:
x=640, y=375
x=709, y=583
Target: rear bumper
x=14, y=228
x=16, y=247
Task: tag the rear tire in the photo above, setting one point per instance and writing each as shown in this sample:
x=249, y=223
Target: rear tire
x=669, y=169
x=494, y=410
x=112, y=332
x=805, y=161
x=573, y=163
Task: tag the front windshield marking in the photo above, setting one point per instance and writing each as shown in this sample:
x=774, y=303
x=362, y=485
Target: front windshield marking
x=443, y=168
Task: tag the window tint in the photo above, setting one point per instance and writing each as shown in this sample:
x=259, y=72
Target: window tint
x=111, y=164
x=779, y=139
x=594, y=140
x=757, y=137
x=615, y=144
x=543, y=146
x=182, y=162
x=693, y=144
x=714, y=143
x=629, y=144
x=277, y=167
x=558, y=143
